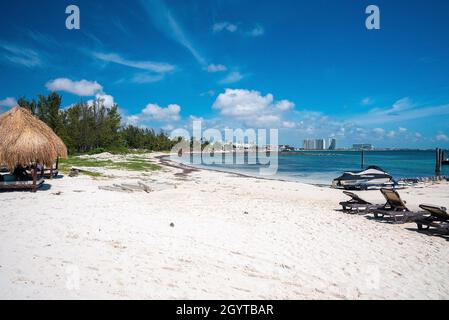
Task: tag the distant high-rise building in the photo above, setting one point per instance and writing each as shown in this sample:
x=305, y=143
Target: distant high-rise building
x=363, y=146
x=320, y=144
x=332, y=144
x=309, y=144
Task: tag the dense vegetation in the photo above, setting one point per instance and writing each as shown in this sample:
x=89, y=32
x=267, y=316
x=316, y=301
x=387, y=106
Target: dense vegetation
x=92, y=128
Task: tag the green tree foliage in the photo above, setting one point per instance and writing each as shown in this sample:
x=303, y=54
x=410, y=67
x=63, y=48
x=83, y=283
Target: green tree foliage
x=88, y=127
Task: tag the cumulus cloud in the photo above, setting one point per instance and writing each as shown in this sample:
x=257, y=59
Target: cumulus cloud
x=170, y=113
x=216, y=68
x=153, y=112
x=8, y=102
x=106, y=99
x=232, y=77
x=288, y=124
x=285, y=105
x=80, y=88
x=251, y=107
x=442, y=137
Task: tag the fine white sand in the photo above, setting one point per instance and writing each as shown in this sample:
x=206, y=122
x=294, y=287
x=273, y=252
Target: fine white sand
x=232, y=238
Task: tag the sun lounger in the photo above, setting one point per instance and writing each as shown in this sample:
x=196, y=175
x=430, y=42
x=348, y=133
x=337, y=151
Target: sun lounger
x=356, y=204
x=396, y=208
x=21, y=185
x=438, y=219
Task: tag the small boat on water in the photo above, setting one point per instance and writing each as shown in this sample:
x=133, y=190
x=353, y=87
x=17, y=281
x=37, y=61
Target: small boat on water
x=369, y=178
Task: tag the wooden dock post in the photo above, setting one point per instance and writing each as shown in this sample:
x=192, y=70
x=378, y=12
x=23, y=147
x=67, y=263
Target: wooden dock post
x=363, y=159
x=439, y=161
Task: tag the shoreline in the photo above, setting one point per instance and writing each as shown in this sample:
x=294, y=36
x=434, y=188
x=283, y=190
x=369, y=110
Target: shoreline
x=180, y=165
x=420, y=180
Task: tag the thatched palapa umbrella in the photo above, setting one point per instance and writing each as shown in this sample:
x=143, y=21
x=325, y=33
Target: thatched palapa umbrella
x=26, y=140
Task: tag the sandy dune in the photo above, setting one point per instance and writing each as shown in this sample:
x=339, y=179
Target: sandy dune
x=231, y=238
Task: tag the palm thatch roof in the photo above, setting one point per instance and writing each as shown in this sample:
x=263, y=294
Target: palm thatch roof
x=26, y=140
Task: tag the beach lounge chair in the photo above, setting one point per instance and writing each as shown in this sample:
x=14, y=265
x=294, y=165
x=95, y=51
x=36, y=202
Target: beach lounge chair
x=356, y=204
x=22, y=185
x=438, y=219
x=396, y=208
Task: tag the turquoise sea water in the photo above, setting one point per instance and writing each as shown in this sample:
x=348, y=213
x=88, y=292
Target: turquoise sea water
x=321, y=167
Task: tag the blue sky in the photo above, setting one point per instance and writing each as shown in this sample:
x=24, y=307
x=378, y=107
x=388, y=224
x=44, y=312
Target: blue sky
x=308, y=68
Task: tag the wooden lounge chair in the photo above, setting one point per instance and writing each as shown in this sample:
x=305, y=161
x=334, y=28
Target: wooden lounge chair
x=396, y=208
x=356, y=204
x=438, y=219
x=22, y=185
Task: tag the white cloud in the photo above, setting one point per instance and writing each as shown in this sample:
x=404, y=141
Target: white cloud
x=402, y=110
x=288, y=124
x=232, y=77
x=170, y=113
x=391, y=134
x=367, y=101
x=168, y=127
x=20, y=55
x=402, y=130
x=146, y=78
x=153, y=112
x=152, y=66
x=220, y=26
x=285, y=105
x=8, y=102
x=242, y=103
x=267, y=120
x=79, y=88
x=134, y=120
x=165, y=21
x=442, y=137
x=209, y=93
x=216, y=68
x=252, y=108
x=379, y=131
x=108, y=100
x=257, y=31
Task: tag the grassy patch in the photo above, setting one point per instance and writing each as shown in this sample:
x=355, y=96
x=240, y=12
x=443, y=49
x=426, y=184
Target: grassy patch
x=135, y=165
x=84, y=162
x=91, y=173
x=131, y=164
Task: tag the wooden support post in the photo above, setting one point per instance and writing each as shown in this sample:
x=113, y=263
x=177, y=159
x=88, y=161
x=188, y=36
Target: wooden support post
x=363, y=159
x=439, y=161
x=34, y=173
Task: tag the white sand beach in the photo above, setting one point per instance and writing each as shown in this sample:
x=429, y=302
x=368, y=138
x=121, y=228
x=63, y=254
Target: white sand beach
x=212, y=235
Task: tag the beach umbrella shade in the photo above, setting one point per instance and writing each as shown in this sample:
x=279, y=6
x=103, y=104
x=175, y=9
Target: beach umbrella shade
x=26, y=140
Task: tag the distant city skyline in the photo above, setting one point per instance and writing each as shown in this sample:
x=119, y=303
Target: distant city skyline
x=310, y=69
x=320, y=144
